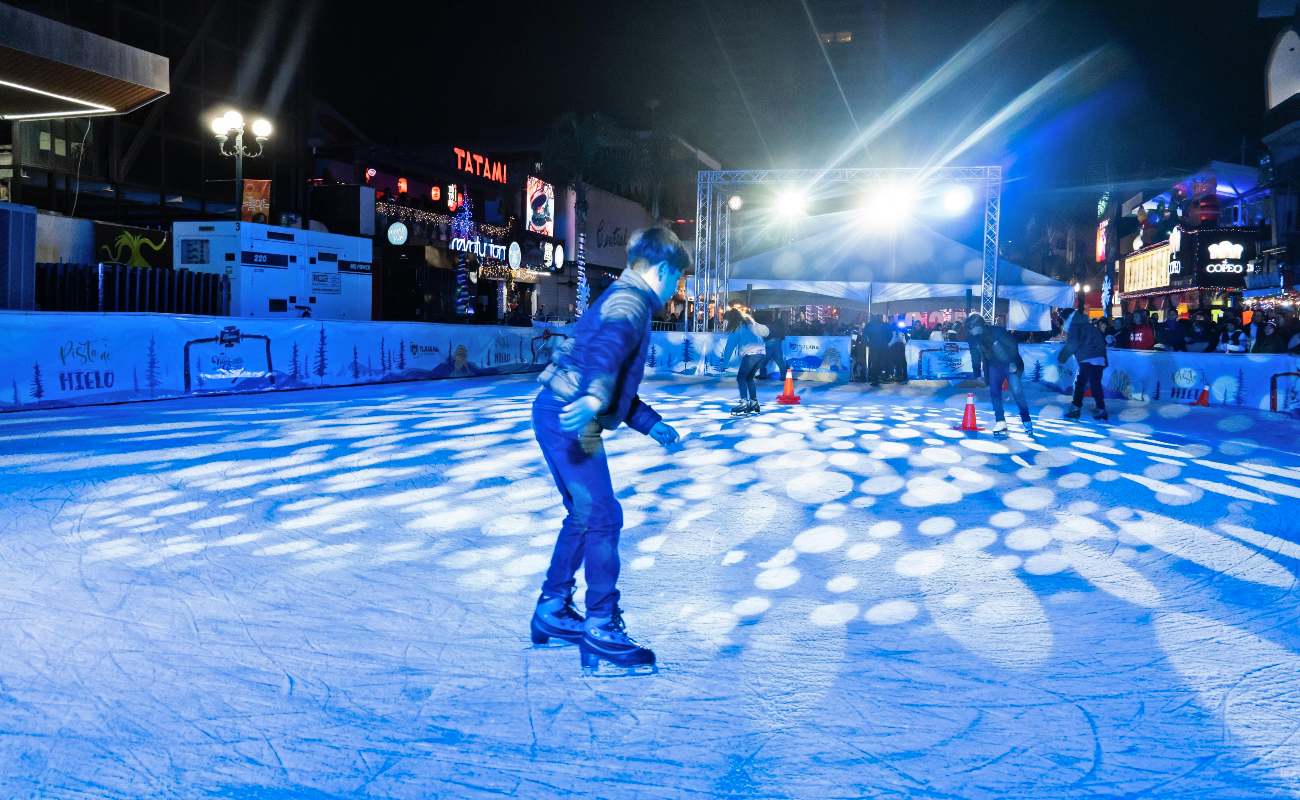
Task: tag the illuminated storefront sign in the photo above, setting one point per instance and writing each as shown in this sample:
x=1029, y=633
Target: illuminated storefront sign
x=479, y=247
x=478, y=165
x=1217, y=258
x=397, y=233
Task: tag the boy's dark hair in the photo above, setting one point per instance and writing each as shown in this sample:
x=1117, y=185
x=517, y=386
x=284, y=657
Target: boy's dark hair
x=658, y=246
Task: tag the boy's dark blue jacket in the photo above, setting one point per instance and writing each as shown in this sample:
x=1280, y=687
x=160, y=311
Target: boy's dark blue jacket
x=605, y=355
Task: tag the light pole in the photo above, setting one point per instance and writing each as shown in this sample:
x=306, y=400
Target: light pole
x=233, y=124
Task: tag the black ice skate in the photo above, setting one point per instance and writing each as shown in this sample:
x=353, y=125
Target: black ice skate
x=607, y=640
x=745, y=408
x=1100, y=415
x=1074, y=412
x=556, y=618
x=754, y=407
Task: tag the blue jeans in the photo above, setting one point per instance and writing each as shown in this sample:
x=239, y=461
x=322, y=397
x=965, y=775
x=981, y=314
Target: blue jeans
x=745, y=376
x=996, y=376
x=589, y=533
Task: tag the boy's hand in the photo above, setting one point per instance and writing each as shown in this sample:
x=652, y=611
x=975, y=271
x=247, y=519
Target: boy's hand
x=575, y=416
x=663, y=433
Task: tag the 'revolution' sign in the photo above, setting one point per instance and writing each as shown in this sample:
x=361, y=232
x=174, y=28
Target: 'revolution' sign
x=481, y=166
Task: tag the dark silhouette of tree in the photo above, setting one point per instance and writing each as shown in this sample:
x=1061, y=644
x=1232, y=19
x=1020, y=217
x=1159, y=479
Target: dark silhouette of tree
x=356, y=367
x=650, y=360
x=1240, y=395
x=688, y=352
x=198, y=370
x=135, y=379
x=38, y=388
x=401, y=354
x=370, y=366
x=17, y=402
x=293, y=362
x=151, y=368
x=321, y=362
x=1157, y=394
x=1037, y=375
x=383, y=355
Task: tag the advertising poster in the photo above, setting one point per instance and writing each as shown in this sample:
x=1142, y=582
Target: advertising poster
x=256, y=206
x=134, y=247
x=540, y=206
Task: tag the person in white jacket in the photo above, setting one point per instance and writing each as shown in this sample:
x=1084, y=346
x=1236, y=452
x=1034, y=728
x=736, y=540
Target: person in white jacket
x=746, y=340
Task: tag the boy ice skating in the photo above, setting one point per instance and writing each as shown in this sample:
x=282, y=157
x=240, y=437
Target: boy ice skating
x=999, y=353
x=746, y=338
x=590, y=387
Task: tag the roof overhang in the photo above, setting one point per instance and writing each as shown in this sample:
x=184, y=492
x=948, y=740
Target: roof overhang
x=48, y=69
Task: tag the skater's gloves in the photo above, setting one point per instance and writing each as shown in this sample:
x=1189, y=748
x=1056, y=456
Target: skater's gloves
x=663, y=433
x=575, y=416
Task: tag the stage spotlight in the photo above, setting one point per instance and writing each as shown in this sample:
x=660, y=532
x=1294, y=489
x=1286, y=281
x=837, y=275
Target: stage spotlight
x=958, y=199
x=791, y=203
x=735, y=202
x=890, y=207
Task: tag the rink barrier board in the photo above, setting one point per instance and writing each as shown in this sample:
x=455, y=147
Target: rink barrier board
x=1264, y=382
x=57, y=359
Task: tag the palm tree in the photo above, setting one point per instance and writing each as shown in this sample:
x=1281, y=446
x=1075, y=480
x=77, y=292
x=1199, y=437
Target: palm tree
x=592, y=150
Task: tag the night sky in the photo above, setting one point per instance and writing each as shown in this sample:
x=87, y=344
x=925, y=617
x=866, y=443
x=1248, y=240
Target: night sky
x=1170, y=86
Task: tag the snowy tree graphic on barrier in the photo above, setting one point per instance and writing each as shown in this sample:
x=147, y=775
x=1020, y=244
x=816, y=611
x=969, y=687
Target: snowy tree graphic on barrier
x=383, y=356
x=294, y=363
x=688, y=352
x=1239, y=394
x=321, y=362
x=1036, y=374
x=38, y=387
x=650, y=357
x=356, y=367
x=401, y=355
x=151, y=378
x=17, y=402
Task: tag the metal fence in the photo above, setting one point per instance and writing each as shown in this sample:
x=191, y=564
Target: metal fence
x=116, y=287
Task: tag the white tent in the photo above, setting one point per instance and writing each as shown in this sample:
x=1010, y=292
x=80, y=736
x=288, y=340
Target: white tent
x=839, y=261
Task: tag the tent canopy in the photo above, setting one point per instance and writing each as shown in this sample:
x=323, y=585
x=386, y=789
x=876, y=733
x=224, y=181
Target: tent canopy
x=840, y=259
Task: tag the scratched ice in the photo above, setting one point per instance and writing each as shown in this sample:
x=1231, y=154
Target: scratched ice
x=326, y=594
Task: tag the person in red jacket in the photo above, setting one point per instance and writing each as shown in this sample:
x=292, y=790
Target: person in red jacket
x=1141, y=336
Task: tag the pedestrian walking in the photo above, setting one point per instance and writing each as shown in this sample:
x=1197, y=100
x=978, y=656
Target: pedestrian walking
x=590, y=387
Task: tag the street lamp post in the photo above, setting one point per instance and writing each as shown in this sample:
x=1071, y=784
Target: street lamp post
x=232, y=124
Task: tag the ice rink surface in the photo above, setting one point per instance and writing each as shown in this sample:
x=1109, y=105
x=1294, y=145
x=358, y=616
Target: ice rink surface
x=325, y=594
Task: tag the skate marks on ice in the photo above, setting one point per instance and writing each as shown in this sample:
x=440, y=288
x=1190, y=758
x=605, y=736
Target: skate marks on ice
x=847, y=601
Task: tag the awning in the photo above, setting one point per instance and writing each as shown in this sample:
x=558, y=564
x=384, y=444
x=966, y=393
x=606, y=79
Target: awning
x=48, y=69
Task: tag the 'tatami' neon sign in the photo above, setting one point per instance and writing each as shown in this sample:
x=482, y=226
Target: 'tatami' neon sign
x=475, y=164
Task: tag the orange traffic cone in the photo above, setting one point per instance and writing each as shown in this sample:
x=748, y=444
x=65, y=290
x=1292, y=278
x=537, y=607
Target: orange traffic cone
x=1204, y=399
x=787, y=397
x=968, y=422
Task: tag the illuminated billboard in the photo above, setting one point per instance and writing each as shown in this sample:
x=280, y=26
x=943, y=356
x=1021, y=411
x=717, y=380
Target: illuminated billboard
x=539, y=207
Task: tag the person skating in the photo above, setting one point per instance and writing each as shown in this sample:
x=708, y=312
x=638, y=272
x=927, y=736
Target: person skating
x=1088, y=347
x=995, y=349
x=589, y=387
x=746, y=339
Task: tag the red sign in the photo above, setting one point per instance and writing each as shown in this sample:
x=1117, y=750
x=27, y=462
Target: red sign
x=478, y=165
x=256, y=205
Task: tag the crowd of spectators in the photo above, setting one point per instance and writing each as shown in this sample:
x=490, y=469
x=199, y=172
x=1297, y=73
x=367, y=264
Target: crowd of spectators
x=1266, y=332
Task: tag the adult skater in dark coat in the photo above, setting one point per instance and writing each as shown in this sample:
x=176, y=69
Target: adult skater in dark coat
x=591, y=387
x=993, y=347
x=1088, y=347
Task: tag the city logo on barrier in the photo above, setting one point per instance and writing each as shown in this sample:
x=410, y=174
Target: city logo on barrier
x=423, y=350
x=1187, y=384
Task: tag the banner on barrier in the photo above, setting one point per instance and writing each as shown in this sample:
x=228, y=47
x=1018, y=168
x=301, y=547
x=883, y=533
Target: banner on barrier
x=1264, y=382
x=54, y=359
x=701, y=354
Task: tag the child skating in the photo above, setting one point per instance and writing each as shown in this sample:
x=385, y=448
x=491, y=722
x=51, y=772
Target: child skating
x=1088, y=347
x=746, y=339
x=591, y=387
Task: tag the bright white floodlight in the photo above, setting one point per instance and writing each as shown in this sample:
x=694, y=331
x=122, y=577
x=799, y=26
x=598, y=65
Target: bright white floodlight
x=220, y=126
x=958, y=199
x=234, y=119
x=791, y=203
x=890, y=206
x=735, y=202
x=261, y=129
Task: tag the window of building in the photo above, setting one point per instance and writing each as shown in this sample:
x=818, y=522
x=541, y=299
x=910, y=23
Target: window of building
x=836, y=36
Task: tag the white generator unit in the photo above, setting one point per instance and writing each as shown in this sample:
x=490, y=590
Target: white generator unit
x=280, y=272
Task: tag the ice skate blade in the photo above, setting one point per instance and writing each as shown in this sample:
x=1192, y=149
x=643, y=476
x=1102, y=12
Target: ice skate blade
x=607, y=670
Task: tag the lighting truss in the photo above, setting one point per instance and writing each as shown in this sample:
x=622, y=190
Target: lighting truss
x=713, y=222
